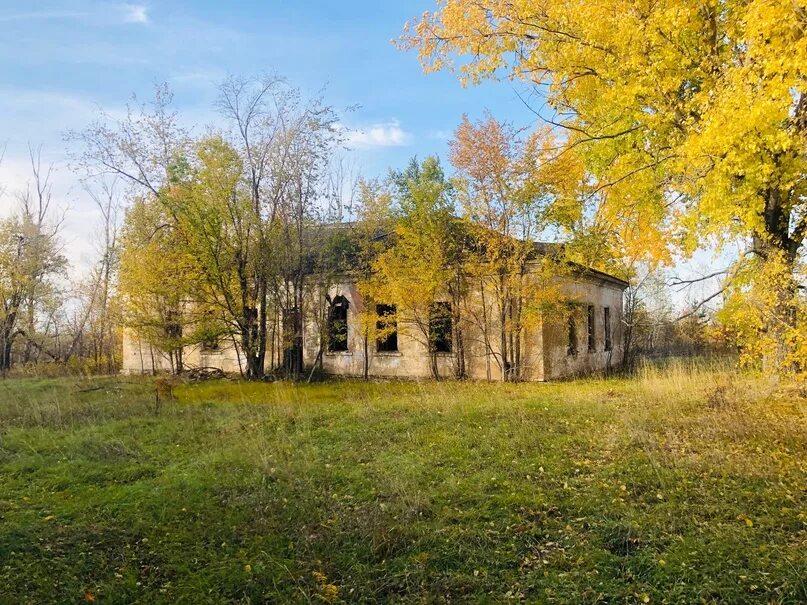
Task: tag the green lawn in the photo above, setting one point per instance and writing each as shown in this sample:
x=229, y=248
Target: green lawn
x=681, y=486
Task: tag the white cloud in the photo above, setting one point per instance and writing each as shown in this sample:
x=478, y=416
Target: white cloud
x=21, y=112
x=135, y=13
x=385, y=134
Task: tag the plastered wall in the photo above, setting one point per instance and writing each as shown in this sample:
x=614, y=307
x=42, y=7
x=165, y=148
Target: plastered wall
x=545, y=354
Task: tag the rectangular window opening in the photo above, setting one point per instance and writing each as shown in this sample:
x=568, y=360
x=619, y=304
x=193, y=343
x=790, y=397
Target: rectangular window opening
x=210, y=344
x=592, y=342
x=571, y=346
x=607, y=328
x=386, y=328
x=440, y=327
x=337, y=325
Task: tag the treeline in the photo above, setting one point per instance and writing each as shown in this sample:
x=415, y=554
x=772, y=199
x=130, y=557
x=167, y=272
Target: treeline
x=653, y=327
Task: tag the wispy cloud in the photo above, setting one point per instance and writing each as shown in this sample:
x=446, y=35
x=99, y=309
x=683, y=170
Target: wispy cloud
x=41, y=16
x=109, y=13
x=203, y=78
x=57, y=105
x=135, y=13
x=384, y=134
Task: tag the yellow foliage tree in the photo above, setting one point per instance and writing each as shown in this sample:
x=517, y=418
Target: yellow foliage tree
x=691, y=119
x=509, y=195
x=157, y=280
x=421, y=272
x=369, y=234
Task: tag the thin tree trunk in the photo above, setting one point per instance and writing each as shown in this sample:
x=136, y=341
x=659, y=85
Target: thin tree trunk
x=366, y=354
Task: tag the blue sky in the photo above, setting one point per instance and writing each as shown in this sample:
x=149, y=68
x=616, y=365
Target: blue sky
x=62, y=61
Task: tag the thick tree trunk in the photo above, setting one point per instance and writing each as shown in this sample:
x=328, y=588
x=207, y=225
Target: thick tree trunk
x=503, y=335
x=260, y=361
x=434, y=370
x=485, y=331
x=6, y=341
x=249, y=337
x=5, y=353
x=781, y=319
x=778, y=247
x=28, y=355
x=366, y=355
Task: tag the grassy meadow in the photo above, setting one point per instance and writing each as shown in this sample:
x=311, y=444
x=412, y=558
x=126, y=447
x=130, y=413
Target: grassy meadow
x=683, y=485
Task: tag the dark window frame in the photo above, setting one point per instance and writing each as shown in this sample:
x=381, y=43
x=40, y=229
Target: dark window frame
x=591, y=331
x=606, y=318
x=390, y=343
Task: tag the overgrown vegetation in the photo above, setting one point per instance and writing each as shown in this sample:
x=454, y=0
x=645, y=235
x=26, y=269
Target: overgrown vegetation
x=684, y=485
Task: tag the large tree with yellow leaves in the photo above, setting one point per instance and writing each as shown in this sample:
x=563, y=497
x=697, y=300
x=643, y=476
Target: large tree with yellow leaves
x=691, y=118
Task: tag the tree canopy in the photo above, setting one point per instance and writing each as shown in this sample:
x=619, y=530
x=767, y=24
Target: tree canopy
x=691, y=119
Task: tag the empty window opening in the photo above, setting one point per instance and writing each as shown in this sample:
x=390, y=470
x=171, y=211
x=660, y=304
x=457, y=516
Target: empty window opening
x=440, y=327
x=337, y=325
x=571, y=347
x=386, y=328
x=592, y=343
x=607, y=328
x=210, y=343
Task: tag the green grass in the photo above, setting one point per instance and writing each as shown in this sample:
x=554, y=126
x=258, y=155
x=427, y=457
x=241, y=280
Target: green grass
x=684, y=485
